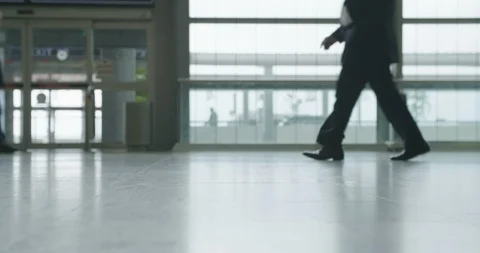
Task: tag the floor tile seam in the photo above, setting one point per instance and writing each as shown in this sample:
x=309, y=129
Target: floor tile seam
x=115, y=186
x=61, y=216
x=448, y=216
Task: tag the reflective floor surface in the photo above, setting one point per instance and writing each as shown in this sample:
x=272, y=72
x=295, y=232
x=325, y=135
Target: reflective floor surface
x=238, y=203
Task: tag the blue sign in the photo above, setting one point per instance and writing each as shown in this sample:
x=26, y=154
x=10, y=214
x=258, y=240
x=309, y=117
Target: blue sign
x=82, y=2
x=95, y=2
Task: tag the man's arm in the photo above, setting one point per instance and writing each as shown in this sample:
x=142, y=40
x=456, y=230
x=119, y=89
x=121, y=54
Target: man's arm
x=339, y=34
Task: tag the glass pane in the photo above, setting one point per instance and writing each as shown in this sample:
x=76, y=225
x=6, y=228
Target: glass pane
x=17, y=128
x=121, y=55
x=41, y=127
x=441, y=8
x=57, y=126
x=273, y=116
x=67, y=98
x=265, y=8
x=218, y=70
x=40, y=98
x=442, y=50
x=17, y=98
x=57, y=98
x=59, y=56
x=306, y=71
x=11, y=55
x=262, y=50
x=53, y=120
x=68, y=126
x=446, y=115
x=98, y=99
x=98, y=126
x=260, y=38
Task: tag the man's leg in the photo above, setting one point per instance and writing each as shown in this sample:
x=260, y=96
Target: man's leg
x=397, y=112
x=349, y=86
x=322, y=132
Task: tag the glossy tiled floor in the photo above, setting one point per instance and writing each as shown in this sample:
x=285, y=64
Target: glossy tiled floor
x=238, y=203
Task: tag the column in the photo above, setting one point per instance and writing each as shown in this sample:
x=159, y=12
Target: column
x=182, y=39
x=171, y=35
x=325, y=101
x=383, y=127
x=113, y=107
x=246, y=107
x=270, y=129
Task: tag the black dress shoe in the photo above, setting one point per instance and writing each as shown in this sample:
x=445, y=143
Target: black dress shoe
x=325, y=154
x=6, y=149
x=412, y=152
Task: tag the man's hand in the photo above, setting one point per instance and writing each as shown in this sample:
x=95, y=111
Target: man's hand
x=328, y=42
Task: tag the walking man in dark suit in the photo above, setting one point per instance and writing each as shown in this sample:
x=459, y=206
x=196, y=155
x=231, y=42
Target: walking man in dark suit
x=367, y=27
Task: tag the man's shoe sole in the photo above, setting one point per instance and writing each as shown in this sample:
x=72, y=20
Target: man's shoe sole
x=318, y=158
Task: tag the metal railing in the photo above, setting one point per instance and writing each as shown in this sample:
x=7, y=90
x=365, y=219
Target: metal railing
x=328, y=59
x=234, y=132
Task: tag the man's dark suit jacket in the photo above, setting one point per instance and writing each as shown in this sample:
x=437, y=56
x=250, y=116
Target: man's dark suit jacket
x=371, y=36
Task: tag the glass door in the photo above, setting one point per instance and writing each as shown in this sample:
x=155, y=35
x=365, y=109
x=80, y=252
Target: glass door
x=59, y=71
x=50, y=67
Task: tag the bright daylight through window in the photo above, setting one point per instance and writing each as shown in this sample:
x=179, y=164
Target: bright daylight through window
x=256, y=44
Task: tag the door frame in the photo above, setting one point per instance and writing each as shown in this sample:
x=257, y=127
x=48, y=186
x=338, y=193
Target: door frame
x=84, y=25
x=27, y=27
